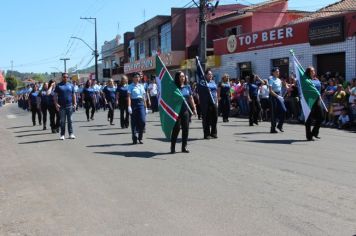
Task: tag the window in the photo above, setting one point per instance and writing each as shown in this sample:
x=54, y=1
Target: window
x=141, y=50
x=152, y=46
x=234, y=30
x=166, y=38
x=132, y=50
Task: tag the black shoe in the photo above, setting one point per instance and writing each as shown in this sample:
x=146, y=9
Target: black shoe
x=316, y=136
x=251, y=124
x=92, y=118
x=214, y=136
x=34, y=124
x=40, y=123
x=310, y=139
x=185, y=150
x=134, y=142
x=112, y=123
x=173, y=151
x=273, y=131
x=44, y=128
x=256, y=123
x=207, y=137
x=57, y=130
x=88, y=120
x=140, y=142
x=280, y=129
x=53, y=131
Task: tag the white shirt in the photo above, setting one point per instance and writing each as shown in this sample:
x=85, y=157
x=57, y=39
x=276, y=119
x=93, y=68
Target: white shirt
x=264, y=91
x=352, y=95
x=153, y=89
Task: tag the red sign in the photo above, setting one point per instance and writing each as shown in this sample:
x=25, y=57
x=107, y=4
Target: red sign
x=287, y=35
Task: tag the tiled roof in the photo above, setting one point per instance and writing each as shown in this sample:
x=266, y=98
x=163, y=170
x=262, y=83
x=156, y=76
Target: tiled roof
x=330, y=10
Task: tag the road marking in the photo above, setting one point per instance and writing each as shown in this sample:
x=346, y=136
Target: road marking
x=11, y=117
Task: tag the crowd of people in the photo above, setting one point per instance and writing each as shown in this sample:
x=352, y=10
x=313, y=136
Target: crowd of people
x=272, y=99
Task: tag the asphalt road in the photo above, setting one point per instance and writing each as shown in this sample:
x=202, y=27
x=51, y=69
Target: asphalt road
x=247, y=182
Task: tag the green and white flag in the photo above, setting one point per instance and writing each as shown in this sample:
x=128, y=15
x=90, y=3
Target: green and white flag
x=170, y=98
x=309, y=94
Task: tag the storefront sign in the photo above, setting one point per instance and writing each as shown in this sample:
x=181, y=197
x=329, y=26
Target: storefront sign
x=231, y=43
x=169, y=59
x=327, y=31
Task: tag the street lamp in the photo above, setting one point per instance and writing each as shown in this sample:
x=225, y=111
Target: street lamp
x=96, y=54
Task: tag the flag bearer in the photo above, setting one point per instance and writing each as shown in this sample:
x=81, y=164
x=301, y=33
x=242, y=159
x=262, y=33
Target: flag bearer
x=184, y=116
x=137, y=108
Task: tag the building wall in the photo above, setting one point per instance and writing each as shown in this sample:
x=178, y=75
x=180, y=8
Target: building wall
x=178, y=29
x=261, y=59
x=262, y=20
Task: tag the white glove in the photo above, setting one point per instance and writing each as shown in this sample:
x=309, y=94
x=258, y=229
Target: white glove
x=146, y=111
x=280, y=98
x=129, y=110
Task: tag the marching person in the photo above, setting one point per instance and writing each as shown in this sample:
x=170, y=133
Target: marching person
x=276, y=100
x=121, y=100
x=316, y=113
x=224, y=97
x=252, y=96
x=137, y=107
x=34, y=105
x=44, y=101
x=65, y=102
x=153, y=92
x=89, y=99
x=184, y=116
x=54, y=120
x=208, y=105
x=109, y=98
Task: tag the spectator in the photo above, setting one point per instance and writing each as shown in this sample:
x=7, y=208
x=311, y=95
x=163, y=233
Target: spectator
x=344, y=119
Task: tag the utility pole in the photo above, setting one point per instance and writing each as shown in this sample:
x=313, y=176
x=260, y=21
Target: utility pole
x=202, y=32
x=96, y=54
x=65, y=63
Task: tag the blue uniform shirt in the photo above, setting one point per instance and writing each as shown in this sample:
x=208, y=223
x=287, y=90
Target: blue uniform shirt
x=317, y=84
x=136, y=91
x=110, y=93
x=33, y=98
x=276, y=85
x=213, y=89
x=252, y=90
x=65, y=92
x=122, y=90
x=225, y=90
x=88, y=93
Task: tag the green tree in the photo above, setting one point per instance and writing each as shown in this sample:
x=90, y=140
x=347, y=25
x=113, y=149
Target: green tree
x=38, y=78
x=11, y=83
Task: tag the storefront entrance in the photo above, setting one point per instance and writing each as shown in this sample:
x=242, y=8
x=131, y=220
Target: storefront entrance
x=245, y=69
x=333, y=63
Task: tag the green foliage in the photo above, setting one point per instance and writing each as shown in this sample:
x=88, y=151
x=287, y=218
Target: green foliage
x=39, y=78
x=11, y=83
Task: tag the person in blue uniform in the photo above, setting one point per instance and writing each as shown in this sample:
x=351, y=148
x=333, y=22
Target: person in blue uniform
x=121, y=100
x=137, y=108
x=89, y=99
x=316, y=113
x=65, y=101
x=184, y=114
x=252, y=97
x=54, y=119
x=276, y=99
x=209, y=107
x=44, y=101
x=224, y=97
x=110, y=99
x=34, y=105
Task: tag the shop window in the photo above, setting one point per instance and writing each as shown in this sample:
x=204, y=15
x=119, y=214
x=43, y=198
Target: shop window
x=166, y=39
x=283, y=65
x=132, y=50
x=152, y=46
x=236, y=30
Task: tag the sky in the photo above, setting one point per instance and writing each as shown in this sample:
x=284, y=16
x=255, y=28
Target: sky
x=35, y=34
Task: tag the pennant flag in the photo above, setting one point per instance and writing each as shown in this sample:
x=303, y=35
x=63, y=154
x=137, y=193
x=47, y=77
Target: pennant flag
x=309, y=94
x=170, y=98
x=203, y=89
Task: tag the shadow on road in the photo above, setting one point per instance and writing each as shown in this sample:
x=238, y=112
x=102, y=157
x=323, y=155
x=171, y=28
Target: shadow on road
x=104, y=129
x=283, y=141
x=136, y=154
x=178, y=140
x=109, y=145
x=245, y=133
x=116, y=133
x=91, y=126
x=18, y=127
x=39, y=141
x=28, y=135
x=27, y=131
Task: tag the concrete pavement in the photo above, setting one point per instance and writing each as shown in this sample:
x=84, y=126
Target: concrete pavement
x=247, y=182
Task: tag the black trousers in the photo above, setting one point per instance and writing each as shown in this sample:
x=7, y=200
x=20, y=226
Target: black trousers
x=89, y=104
x=124, y=113
x=225, y=107
x=154, y=103
x=277, y=113
x=111, y=106
x=54, y=118
x=316, y=116
x=182, y=123
x=254, y=110
x=35, y=111
x=44, y=109
x=210, y=119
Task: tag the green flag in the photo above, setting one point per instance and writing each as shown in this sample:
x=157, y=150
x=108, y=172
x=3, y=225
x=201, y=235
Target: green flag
x=309, y=94
x=171, y=99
